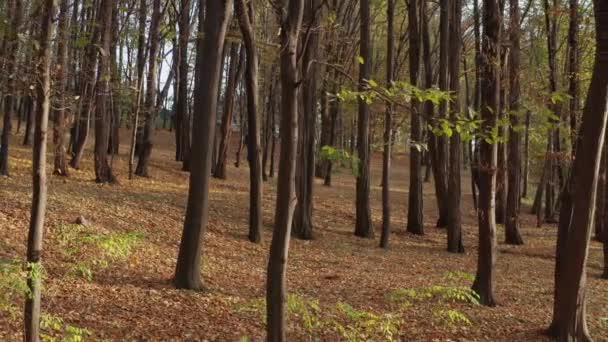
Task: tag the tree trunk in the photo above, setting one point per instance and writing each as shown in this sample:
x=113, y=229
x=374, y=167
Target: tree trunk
x=269, y=130
x=150, y=102
x=454, y=241
x=512, y=235
x=363, y=226
x=182, y=121
x=36, y=228
x=484, y=279
x=14, y=14
x=103, y=172
x=388, y=126
x=60, y=132
x=291, y=22
x=526, y=171
x=237, y=58
x=573, y=70
x=245, y=14
x=305, y=164
x=578, y=200
x=188, y=268
x=415, y=223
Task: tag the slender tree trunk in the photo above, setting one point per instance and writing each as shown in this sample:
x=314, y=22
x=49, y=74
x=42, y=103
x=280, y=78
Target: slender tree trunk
x=103, y=172
x=526, y=172
x=150, y=101
x=36, y=228
x=291, y=22
x=60, y=132
x=245, y=15
x=182, y=121
x=415, y=222
x=188, y=268
x=237, y=58
x=388, y=126
x=269, y=131
x=454, y=241
x=484, y=279
x=363, y=226
x=512, y=234
x=573, y=70
x=12, y=44
x=141, y=64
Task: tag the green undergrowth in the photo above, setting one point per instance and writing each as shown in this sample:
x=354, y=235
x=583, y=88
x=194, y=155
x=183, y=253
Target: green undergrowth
x=14, y=289
x=92, y=251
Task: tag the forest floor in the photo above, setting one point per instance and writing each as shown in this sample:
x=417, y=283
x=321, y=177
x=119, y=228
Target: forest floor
x=113, y=277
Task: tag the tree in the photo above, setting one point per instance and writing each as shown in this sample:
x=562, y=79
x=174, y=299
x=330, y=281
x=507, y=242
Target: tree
x=388, y=127
x=150, y=100
x=36, y=228
x=512, y=235
x=578, y=198
x=60, y=126
x=187, y=270
x=363, y=225
x=237, y=58
x=455, y=244
x=415, y=223
x=291, y=13
x=103, y=172
x=305, y=170
x=490, y=76
x=14, y=10
x=245, y=15
x=182, y=120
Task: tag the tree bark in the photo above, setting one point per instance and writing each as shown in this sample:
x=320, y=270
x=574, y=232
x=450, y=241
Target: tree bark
x=490, y=77
x=512, y=234
x=182, y=121
x=39, y=195
x=573, y=70
x=188, y=268
x=291, y=22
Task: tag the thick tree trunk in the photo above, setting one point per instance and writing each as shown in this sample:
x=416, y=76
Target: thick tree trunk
x=150, y=101
x=245, y=15
x=484, y=279
x=363, y=225
x=36, y=227
x=305, y=164
x=12, y=44
x=60, y=131
x=291, y=22
x=388, y=126
x=103, y=172
x=415, y=222
x=454, y=241
x=578, y=199
x=188, y=268
x=512, y=235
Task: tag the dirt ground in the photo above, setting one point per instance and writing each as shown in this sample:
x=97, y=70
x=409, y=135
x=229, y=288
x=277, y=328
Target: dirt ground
x=131, y=297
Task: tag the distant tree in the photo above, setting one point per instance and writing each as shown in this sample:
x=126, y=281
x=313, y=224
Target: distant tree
x=188, y=268
x=36, y=228
x=182, y=119
x=290, y=18
x=60, y=132
x=486, y=259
